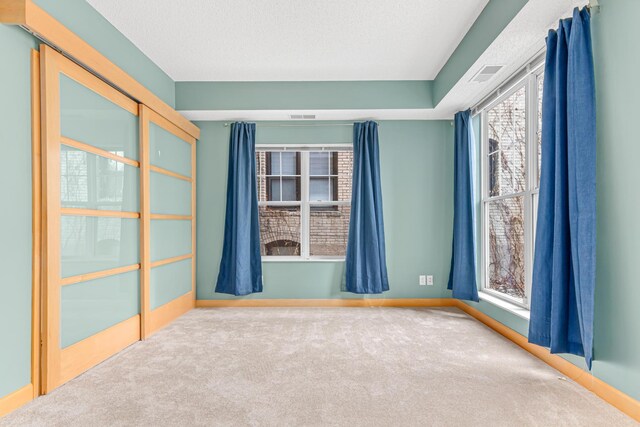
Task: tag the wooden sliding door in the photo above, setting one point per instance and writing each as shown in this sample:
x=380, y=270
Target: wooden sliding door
x=168, y=221
x=91, y=203
x=118, y=231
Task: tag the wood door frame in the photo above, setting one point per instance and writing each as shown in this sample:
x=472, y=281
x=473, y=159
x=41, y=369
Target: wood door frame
x=154, y=319
x=59, y=365
x=36, y=221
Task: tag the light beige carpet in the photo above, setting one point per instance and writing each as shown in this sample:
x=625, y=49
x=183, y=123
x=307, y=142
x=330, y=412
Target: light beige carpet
x=329, y=366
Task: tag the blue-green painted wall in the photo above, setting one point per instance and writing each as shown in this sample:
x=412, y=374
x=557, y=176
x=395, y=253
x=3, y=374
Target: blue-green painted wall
x=416, y=159
x=304, y=95
x=15, y=215
x=617, y=299
x=86, y=22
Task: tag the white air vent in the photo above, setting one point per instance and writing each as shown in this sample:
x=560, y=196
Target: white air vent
x=486, y=73
x=302, y=116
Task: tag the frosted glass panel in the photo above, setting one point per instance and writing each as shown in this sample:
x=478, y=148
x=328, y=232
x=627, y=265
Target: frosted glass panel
x=91, y=244
x=168, y=151
x=169, y=195
x=90, y=118
x=170, y=281
x=90, y=307
x=170, y=238
x=95, y=182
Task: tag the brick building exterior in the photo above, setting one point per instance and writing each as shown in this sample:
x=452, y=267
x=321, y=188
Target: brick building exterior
x=280, y=227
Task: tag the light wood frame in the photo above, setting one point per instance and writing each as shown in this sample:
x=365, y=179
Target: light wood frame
x=36, y=221
x=60, y=365
x=32, y=17
x=152, y=320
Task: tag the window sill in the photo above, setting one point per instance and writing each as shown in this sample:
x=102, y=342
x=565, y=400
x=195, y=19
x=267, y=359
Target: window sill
x=505, y=305
x=300, y=259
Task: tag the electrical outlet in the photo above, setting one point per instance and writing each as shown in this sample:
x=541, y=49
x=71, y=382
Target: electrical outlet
x=422, y=280
x=429, y=280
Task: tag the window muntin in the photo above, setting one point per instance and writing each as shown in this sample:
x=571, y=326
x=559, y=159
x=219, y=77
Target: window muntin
x=510, y=175
x=304, y=199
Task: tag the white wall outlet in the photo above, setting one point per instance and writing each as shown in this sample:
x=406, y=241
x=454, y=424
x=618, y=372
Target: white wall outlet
x=423, y=280
x=429, y=280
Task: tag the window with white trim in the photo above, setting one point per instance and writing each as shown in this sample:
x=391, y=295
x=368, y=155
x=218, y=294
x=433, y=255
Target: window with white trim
x=304, y=201
x=511, y=147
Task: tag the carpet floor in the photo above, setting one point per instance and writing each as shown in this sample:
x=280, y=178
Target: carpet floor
x=321, y=366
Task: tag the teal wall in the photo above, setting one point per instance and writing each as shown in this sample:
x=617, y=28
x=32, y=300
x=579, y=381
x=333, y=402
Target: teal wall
x=303, y=95
x=86, y=22
x=416, y=159
x=617, y=299
x=15, y=215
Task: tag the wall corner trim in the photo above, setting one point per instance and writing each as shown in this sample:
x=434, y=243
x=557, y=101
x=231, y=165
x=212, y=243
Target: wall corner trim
x=606, y=392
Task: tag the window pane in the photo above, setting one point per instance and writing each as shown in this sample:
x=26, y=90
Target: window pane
x=95, y=182
x=88, y=117
x=506, y=247
x=320, y=189
x=274, y=163
x=539, y=129
x=274, y=186
x=288, y=163
x=169, y=281
x=279, y=230
x=90, y=244
x=290, y=189
x=328, y=230
x=319, y=163
x=507, y=127
x=87, y=308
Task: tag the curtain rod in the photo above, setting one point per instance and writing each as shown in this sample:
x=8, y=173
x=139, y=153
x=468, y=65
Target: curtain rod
x=299, y=125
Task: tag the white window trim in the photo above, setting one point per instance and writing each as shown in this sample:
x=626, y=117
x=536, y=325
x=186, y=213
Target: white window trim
x=529, y=82
x=304, y=203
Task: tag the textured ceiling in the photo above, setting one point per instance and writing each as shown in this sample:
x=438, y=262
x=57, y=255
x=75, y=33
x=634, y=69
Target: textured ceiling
x=294, y=40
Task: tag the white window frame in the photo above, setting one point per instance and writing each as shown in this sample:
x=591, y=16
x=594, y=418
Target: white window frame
x=304, y=203
x=529, y=81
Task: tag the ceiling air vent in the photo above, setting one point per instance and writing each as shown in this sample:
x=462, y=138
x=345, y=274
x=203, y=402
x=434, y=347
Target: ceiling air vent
x=302, y=116
x=486, y=73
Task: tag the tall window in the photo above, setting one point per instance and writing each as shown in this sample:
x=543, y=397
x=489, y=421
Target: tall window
x=304, y=201
x=510, y=171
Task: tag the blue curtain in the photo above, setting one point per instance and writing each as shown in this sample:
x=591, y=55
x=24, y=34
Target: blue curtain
x=366, y=265
x=565, y=250
x=240, y=267
x=462, y=275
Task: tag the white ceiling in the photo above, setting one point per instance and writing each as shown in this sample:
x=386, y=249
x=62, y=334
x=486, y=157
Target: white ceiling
x=522, y=39
x=294, y=40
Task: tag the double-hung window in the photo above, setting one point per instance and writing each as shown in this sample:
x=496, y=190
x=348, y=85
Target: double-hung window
x=511, y=146
x=304, y=201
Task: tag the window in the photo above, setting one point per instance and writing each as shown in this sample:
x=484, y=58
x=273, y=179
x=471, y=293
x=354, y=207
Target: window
x=511, y=146
x=304, y=201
